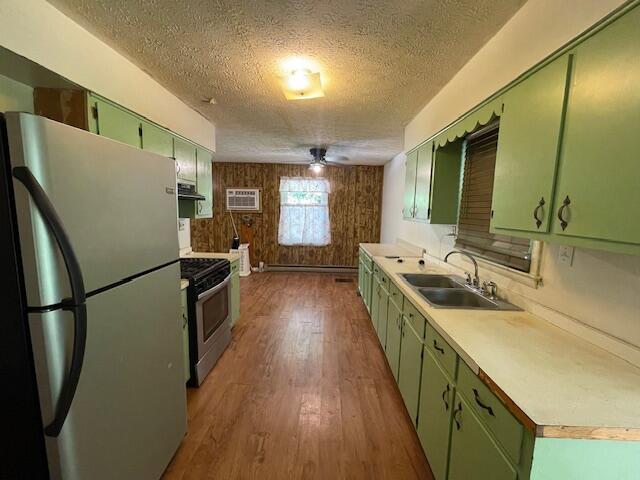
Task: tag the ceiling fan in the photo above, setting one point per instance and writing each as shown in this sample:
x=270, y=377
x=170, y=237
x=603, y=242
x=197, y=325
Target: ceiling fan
x=320, y=160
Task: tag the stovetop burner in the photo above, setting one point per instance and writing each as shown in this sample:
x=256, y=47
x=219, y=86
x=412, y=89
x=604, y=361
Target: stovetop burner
x=196, y=268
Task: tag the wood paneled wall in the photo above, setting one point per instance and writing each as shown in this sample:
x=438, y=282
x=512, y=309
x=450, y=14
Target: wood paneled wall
x=355, y=205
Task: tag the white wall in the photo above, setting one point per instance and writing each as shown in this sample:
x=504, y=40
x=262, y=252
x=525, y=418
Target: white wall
x=15, y=96
x=601, y=290
x=39, y=32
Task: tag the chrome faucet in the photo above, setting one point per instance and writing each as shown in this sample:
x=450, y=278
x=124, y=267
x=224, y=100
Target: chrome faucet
x=476, y=279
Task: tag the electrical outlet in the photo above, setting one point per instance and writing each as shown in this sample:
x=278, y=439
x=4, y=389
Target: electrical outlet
x=181, y=225
x=565, y=255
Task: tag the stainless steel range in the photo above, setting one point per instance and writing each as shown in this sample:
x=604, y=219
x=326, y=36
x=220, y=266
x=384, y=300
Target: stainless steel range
x=208, y=296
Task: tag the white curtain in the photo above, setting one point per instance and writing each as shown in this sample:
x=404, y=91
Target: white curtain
x=304, y=211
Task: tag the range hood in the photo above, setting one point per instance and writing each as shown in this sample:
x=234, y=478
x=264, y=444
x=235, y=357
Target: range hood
x=187, y=191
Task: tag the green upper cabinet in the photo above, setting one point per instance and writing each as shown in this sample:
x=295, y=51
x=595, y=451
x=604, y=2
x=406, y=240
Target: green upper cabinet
x=445, y=184
x=116, y=123
x=474, y=453
x=156, y=140
x=423, y=182
x=598, y=193
x=408, y=207
x=432, y=184
x=185, y=154
x=527, y=154
x=204, y=183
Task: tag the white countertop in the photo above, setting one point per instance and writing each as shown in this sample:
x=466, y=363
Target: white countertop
x=184, y=283
x=554, y=377
x=391, y=249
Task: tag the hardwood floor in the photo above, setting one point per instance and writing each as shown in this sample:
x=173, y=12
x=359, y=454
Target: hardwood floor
x=303, y=391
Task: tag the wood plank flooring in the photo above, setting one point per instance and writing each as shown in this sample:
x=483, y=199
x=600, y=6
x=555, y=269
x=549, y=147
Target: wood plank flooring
x=303, y=391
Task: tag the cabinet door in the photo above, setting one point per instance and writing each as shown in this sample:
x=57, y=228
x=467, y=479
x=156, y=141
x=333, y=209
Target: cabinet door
x=526, y=159
x=367, y=288
x=375, y=302
x=382, y=315
x=599, y=162
x=394, y=335
x=360, y=278
x=185, y=154
x=117, y=124
x=446, y=172
x=410, y=368
x=423, y=182
x=474, y=454
x=235, y=297
x=156, y=140
x=408, y=208
x=204, y=184
x=185, y=336
x=434, y=415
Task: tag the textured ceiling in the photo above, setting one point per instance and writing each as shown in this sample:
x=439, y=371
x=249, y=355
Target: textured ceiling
x=381, y=62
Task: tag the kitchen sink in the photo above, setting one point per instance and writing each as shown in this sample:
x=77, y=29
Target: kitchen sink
x=456, y=298
x=431, y=281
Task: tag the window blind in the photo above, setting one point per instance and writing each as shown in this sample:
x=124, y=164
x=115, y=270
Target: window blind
x=475, y=206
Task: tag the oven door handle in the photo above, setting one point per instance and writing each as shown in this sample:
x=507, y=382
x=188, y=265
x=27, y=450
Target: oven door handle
x=214, y=290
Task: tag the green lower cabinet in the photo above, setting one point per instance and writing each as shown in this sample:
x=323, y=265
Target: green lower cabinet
x=394, y=338
x=410, y=367
x=375, y=302
x=383, y=305
x=235, y=292
x=185, y=335
x=367, y=280
x=434, y=415
x=474, y=453
x=116, y=123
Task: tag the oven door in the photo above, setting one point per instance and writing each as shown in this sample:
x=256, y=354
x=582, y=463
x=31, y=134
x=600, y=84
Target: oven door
x=212, y=315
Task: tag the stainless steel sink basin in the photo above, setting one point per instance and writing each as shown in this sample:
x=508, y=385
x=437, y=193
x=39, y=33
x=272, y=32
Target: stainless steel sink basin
x=431, y=281
x=456, y=298
x=463, y=298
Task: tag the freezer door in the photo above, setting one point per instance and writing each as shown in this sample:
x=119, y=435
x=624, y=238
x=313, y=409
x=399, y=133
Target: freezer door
x=129, y=412
x=117, y=204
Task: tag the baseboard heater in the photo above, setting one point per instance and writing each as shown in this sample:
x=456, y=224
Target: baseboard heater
x=310, y=268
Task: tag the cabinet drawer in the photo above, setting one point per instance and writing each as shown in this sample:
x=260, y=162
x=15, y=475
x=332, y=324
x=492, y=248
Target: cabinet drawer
x=441, y=351
x=235, y=266
x=504, y=426
x=417, y=320
x=395, y=295
x=381, y=276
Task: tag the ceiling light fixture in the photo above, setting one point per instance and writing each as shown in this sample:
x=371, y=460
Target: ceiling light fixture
x=316, y=167
x=300, y=81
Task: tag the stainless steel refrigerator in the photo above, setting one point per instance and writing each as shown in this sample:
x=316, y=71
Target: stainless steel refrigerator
x=91, y=316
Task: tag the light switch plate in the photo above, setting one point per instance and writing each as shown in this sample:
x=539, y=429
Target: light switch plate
x=565, y=255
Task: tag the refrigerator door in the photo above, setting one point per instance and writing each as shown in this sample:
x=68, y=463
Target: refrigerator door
x=129, y=412
x=117, y=203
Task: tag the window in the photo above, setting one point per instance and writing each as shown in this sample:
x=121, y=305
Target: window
x=475, y=205
x=304, y=211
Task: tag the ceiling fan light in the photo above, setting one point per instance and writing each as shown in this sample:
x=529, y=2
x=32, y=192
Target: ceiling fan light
x=316, y=167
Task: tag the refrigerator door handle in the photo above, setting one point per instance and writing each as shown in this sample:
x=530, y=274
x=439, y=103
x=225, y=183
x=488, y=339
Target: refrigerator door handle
x=75, y=304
